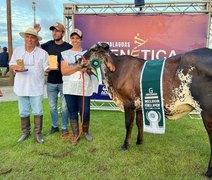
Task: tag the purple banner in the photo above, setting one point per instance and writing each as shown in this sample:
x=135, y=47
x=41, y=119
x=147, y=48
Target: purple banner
x=144, y=36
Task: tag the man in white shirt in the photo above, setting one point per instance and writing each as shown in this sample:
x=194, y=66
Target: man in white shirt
x=29, y=63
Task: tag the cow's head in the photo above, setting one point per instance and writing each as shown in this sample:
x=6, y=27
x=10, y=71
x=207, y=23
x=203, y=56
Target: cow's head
x=101, y=52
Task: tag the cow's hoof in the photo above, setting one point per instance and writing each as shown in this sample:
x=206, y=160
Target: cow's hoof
x=123, y=148
x=208, y=174
x=138, y=142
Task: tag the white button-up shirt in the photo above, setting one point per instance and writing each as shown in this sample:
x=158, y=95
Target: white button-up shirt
x=31, y=82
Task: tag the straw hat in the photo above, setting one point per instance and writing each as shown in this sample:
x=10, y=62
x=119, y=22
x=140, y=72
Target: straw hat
x=31, y=31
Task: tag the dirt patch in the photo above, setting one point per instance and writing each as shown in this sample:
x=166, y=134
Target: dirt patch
x=56, y=155
x=92, y=150
x=5, y=171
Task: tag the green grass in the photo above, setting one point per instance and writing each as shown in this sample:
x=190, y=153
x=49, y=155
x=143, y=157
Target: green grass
x=181, y=153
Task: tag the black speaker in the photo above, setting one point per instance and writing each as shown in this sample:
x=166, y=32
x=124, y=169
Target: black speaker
x=139, y=2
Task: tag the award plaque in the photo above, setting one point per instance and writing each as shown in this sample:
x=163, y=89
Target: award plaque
x=52, y=62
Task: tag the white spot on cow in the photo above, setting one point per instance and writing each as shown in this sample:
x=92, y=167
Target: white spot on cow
x=181, y=102
x=137, y=103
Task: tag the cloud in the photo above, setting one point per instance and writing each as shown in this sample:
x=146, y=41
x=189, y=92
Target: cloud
x=47, y=13
x=3, y=25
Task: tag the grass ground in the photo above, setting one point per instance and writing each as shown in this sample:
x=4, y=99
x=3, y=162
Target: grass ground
x=181, y=153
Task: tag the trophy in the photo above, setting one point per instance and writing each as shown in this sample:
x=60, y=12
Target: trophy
x=20, y=63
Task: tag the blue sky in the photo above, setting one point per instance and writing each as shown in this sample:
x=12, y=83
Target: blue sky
x=47, y=13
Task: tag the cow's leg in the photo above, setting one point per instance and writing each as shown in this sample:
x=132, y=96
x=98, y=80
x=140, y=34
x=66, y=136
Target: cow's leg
x=129, y=118
x=139, y=122
x=207, y=119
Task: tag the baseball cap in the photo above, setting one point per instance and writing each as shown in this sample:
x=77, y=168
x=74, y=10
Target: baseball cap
x=77, y=32
x=57, y=26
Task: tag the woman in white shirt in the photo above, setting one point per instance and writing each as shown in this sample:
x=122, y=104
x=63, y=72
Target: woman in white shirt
x=74, y=75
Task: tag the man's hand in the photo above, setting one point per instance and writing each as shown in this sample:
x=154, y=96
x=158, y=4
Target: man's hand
x=16, y=68
x=37, y=27
x=47, y=70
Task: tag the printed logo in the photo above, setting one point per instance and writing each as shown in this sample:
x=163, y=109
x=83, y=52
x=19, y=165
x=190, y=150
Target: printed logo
x=104, y=91
x=150, y=90
x=152, y=116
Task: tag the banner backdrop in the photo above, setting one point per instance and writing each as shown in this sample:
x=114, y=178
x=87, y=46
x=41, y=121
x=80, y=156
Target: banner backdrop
x=144, y=36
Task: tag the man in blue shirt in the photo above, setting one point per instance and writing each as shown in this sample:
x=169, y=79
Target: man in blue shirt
x=4, y=63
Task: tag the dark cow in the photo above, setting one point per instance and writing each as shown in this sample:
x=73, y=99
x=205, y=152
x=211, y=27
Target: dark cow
x=187, y=85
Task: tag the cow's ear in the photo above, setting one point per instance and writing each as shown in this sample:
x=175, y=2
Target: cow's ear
x=105, y=46
x=111, y=66
x=109, y=63
x=94, y=47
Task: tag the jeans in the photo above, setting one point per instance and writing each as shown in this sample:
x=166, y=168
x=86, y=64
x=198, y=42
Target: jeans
x=74, y=104
x=52, y=92
x=25, y=103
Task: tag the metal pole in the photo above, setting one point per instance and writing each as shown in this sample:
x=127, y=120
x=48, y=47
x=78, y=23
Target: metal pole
x=210, y=25
x=34, y=9
x=10, y=48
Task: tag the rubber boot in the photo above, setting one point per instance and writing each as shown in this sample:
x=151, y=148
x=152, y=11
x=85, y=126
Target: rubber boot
x=25, y=126
x=38, y=122
x=85, y=128
x=75, y=130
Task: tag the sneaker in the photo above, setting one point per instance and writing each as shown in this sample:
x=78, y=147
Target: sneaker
x=52, y=131
x=65, y=133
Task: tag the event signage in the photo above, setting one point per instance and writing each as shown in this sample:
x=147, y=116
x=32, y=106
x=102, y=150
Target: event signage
x=144, y=36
